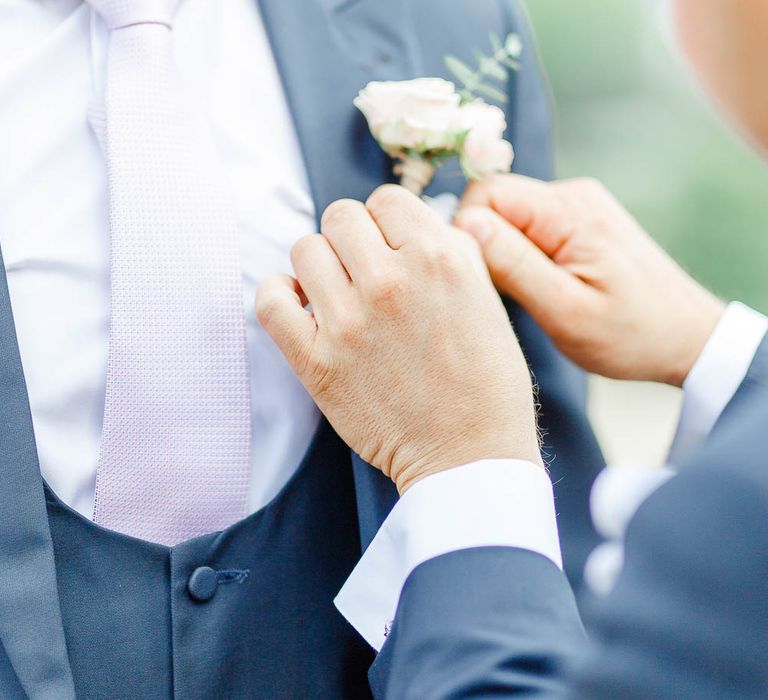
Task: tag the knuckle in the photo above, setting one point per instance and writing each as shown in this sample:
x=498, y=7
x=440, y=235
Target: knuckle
x=318, y=365
x=347, y=325
x=349, y=331
x=430, y=250
x=438, y=254
x=387, y=287
x=266, y=305
x=339, y=211
x=589, y=201
x=270, y=299
x=316, y=369
x=386, y=196
x=302, y=248
x=508, y=262
x=303, y=244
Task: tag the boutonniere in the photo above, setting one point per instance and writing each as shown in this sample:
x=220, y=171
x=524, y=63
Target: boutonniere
x=425, y=122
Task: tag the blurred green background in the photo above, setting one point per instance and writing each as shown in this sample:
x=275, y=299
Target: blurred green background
x=630, y=114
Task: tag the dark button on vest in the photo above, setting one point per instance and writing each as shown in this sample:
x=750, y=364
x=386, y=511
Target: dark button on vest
x=137, y=626
x=203, y=583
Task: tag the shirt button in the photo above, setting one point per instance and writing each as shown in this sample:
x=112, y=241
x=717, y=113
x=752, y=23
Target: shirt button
x=203, y=583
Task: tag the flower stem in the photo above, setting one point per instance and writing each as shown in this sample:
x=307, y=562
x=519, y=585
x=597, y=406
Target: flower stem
x=415, y=174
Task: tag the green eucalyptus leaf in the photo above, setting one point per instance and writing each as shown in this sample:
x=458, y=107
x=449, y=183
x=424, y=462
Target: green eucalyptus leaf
x=490, y=66
x=491, y=92
x=461, y=71
x=496, y=67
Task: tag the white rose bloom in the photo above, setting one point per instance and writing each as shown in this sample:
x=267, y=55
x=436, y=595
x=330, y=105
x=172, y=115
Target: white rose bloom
x=418, y=114
x=485, y=150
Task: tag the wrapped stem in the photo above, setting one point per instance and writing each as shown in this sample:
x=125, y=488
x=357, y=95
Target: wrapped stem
x=415, y=174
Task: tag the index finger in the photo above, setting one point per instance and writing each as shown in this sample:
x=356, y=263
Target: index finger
x=280, y=303
x=532, y=206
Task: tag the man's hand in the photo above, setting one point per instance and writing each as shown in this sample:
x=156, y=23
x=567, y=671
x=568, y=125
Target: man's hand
x=407, y=348
x=611, y=299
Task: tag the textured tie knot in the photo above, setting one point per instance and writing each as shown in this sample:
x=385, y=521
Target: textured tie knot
x=127, y=13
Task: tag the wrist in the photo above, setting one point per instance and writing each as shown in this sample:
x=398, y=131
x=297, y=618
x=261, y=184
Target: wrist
x=447, y=460
x=693, y=336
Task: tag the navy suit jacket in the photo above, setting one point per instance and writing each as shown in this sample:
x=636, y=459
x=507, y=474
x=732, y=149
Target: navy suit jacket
x=326, y=51
x=688, y=617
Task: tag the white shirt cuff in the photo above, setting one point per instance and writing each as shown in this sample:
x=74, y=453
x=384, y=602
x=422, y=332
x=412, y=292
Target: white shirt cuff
x=618, y=491
x=717, y=374
x=500, y=502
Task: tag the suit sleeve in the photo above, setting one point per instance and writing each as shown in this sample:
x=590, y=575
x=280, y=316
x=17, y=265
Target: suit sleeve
x=570, y=446
x=686, y=619
x=730, y=356
x=688, y=615
x=753, y=390
x=485, y=622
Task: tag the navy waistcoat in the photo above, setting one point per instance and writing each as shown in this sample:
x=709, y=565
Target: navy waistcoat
x=246, y=613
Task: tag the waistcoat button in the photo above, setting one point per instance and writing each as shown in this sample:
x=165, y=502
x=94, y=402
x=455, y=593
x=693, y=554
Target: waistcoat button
x=203, y=583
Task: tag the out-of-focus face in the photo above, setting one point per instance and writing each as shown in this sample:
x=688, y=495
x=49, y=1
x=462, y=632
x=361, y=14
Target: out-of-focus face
x=727, y=42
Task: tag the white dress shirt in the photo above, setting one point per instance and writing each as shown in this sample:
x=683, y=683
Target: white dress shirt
x=55, y=237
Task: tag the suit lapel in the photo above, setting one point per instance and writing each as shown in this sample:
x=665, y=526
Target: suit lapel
x=30, y=618
x=326, y=52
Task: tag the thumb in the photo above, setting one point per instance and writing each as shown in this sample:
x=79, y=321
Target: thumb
x=280, y=303
x=518, y=267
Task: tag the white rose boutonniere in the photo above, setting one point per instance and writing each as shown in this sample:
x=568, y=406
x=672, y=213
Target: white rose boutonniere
x=485, y=151
x=416, y=122
x=425, y=122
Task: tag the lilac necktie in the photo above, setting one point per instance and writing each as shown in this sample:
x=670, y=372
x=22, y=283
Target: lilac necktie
x=175, y=447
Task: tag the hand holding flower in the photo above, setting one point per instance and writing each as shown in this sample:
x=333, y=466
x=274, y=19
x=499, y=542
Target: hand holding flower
x=608, y=295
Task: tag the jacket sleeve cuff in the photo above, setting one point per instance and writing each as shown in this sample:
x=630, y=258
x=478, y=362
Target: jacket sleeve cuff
x=500, y=502
x=716, y=376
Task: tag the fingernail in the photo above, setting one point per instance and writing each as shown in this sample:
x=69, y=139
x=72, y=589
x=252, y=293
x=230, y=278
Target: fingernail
x=479, y=227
